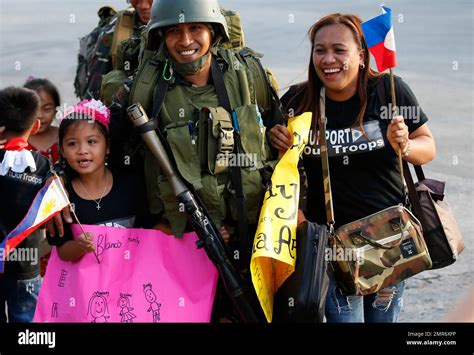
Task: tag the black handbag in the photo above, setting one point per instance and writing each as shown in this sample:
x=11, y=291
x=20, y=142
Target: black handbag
x=302, y=297
x=440, y=230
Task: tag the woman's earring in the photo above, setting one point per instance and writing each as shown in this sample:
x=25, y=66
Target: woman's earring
x=362, y=66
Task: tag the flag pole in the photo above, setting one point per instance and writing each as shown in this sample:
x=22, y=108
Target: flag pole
x=83, y=231
x=394, y=113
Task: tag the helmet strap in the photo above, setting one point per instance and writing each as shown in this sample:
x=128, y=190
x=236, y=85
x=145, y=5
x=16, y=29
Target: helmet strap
x=191, y=68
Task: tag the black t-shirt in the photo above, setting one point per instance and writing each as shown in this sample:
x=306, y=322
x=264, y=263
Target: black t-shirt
x=17, y=192
x=364, y=168
x=122, y=207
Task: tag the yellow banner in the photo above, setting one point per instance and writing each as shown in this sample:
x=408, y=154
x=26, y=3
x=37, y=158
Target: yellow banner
x=274, y=248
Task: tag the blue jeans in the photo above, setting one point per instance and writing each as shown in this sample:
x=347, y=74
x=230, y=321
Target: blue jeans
x=381, y=307
x=20, y=297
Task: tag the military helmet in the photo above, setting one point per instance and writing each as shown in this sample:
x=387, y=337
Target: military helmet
x=174, y=12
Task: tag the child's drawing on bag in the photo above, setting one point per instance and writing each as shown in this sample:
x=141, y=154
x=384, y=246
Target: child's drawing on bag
x=98, y=308
x=151, y=298
x=126, y=310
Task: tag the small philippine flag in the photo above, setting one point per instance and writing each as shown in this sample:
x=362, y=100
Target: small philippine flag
x=378, y=33
x=49, y=201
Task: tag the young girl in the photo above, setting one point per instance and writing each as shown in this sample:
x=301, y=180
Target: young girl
x=99, y=196
x=45, y=141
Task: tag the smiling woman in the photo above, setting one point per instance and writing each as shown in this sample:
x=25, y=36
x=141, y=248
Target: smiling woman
x=337, y=61
x=362, y=148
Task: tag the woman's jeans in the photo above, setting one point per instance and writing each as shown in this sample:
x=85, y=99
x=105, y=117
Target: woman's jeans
x=18, y=299
x=381, y=307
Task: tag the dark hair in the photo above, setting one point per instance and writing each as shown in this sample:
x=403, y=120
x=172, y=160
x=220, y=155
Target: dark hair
x=312, y=87
x=18, y=107
x=69, y=122
x=45, y=85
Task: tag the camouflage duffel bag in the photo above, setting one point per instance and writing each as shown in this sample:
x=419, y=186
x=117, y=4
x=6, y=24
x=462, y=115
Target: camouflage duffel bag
x=378, y=251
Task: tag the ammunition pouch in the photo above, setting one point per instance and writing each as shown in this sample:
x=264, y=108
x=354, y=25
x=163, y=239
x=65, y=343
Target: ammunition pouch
x=216, y=140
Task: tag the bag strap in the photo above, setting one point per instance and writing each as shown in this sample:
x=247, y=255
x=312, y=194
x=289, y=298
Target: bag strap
x=325, y=159
x=235, y=172
x=378, y=245
x=412, y=193
x=419, y=172
x=145, y=81
x=159, y=96
x=218, y=77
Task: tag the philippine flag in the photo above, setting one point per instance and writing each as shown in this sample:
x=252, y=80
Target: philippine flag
x=378, y=33
x=49, y=201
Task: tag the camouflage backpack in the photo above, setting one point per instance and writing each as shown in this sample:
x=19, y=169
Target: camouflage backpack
x=98, y=47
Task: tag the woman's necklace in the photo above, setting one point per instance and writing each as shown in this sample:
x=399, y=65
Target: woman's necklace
x=97, y=202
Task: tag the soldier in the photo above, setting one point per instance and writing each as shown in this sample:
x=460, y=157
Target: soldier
x=143, y=9
x=204, y=100
x=100, y=50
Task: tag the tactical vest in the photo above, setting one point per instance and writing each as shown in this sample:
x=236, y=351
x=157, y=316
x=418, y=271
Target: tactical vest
x=197, y=134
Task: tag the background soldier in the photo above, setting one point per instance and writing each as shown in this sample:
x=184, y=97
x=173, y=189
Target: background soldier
x=99, y=50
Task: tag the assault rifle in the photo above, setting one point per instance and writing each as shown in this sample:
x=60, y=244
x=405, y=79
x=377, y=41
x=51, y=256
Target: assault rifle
x=209, y=236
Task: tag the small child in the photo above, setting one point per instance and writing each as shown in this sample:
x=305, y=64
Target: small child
x=22, y=174
x=45, y=141
x=98, y=195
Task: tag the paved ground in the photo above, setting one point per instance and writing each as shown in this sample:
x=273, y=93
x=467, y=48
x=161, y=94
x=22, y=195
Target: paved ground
x=435, y=49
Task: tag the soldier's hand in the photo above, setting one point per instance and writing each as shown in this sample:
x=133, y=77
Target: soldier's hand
x=280, y=138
